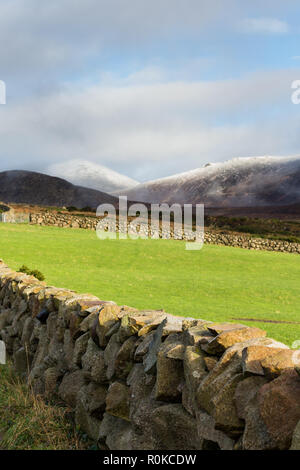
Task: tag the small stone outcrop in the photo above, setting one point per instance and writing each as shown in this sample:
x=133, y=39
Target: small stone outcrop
x=147, y=379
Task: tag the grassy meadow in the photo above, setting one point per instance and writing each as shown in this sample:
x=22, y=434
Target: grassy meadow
x=216, y=283
x=29, y=423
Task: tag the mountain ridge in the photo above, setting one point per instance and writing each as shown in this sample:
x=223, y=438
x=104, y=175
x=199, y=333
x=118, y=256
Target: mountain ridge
x=240, y=182
x=91, y=175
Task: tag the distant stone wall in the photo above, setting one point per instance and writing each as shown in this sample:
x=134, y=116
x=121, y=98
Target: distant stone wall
x=14, y=217
x=149, y=380
x=64, y=220
x=250, y=243
x=211, y=237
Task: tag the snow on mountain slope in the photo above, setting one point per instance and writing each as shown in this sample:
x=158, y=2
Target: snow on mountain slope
x=91, y=175
x=252, y=181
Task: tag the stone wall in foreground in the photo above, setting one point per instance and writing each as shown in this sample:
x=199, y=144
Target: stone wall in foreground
x=149, y=380
x=211, y=237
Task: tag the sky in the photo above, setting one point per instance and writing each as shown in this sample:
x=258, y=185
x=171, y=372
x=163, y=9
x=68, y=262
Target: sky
x=147, y=88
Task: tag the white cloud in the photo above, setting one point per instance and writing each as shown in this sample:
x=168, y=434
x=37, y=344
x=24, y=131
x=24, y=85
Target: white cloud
x=43, y=38
x=40, y=37
x=151, y=130
x=264, y=26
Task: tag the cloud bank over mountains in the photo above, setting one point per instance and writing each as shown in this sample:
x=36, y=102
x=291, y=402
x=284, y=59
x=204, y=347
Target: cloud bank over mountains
x=147, y=131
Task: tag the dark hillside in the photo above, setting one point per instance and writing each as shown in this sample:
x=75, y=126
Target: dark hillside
x=36, y=188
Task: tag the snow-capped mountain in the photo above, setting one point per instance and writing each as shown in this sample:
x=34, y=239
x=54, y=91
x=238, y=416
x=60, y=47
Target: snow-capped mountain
x=91, y=175
x=240, y=182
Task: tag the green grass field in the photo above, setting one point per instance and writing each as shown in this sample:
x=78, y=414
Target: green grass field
x=216, y=283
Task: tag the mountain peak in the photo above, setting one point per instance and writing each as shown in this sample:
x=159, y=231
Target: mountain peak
x=91, y=175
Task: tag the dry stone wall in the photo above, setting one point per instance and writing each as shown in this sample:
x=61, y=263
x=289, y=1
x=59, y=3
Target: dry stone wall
x=14, y=217
x=149, y=380
x=211, y=237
